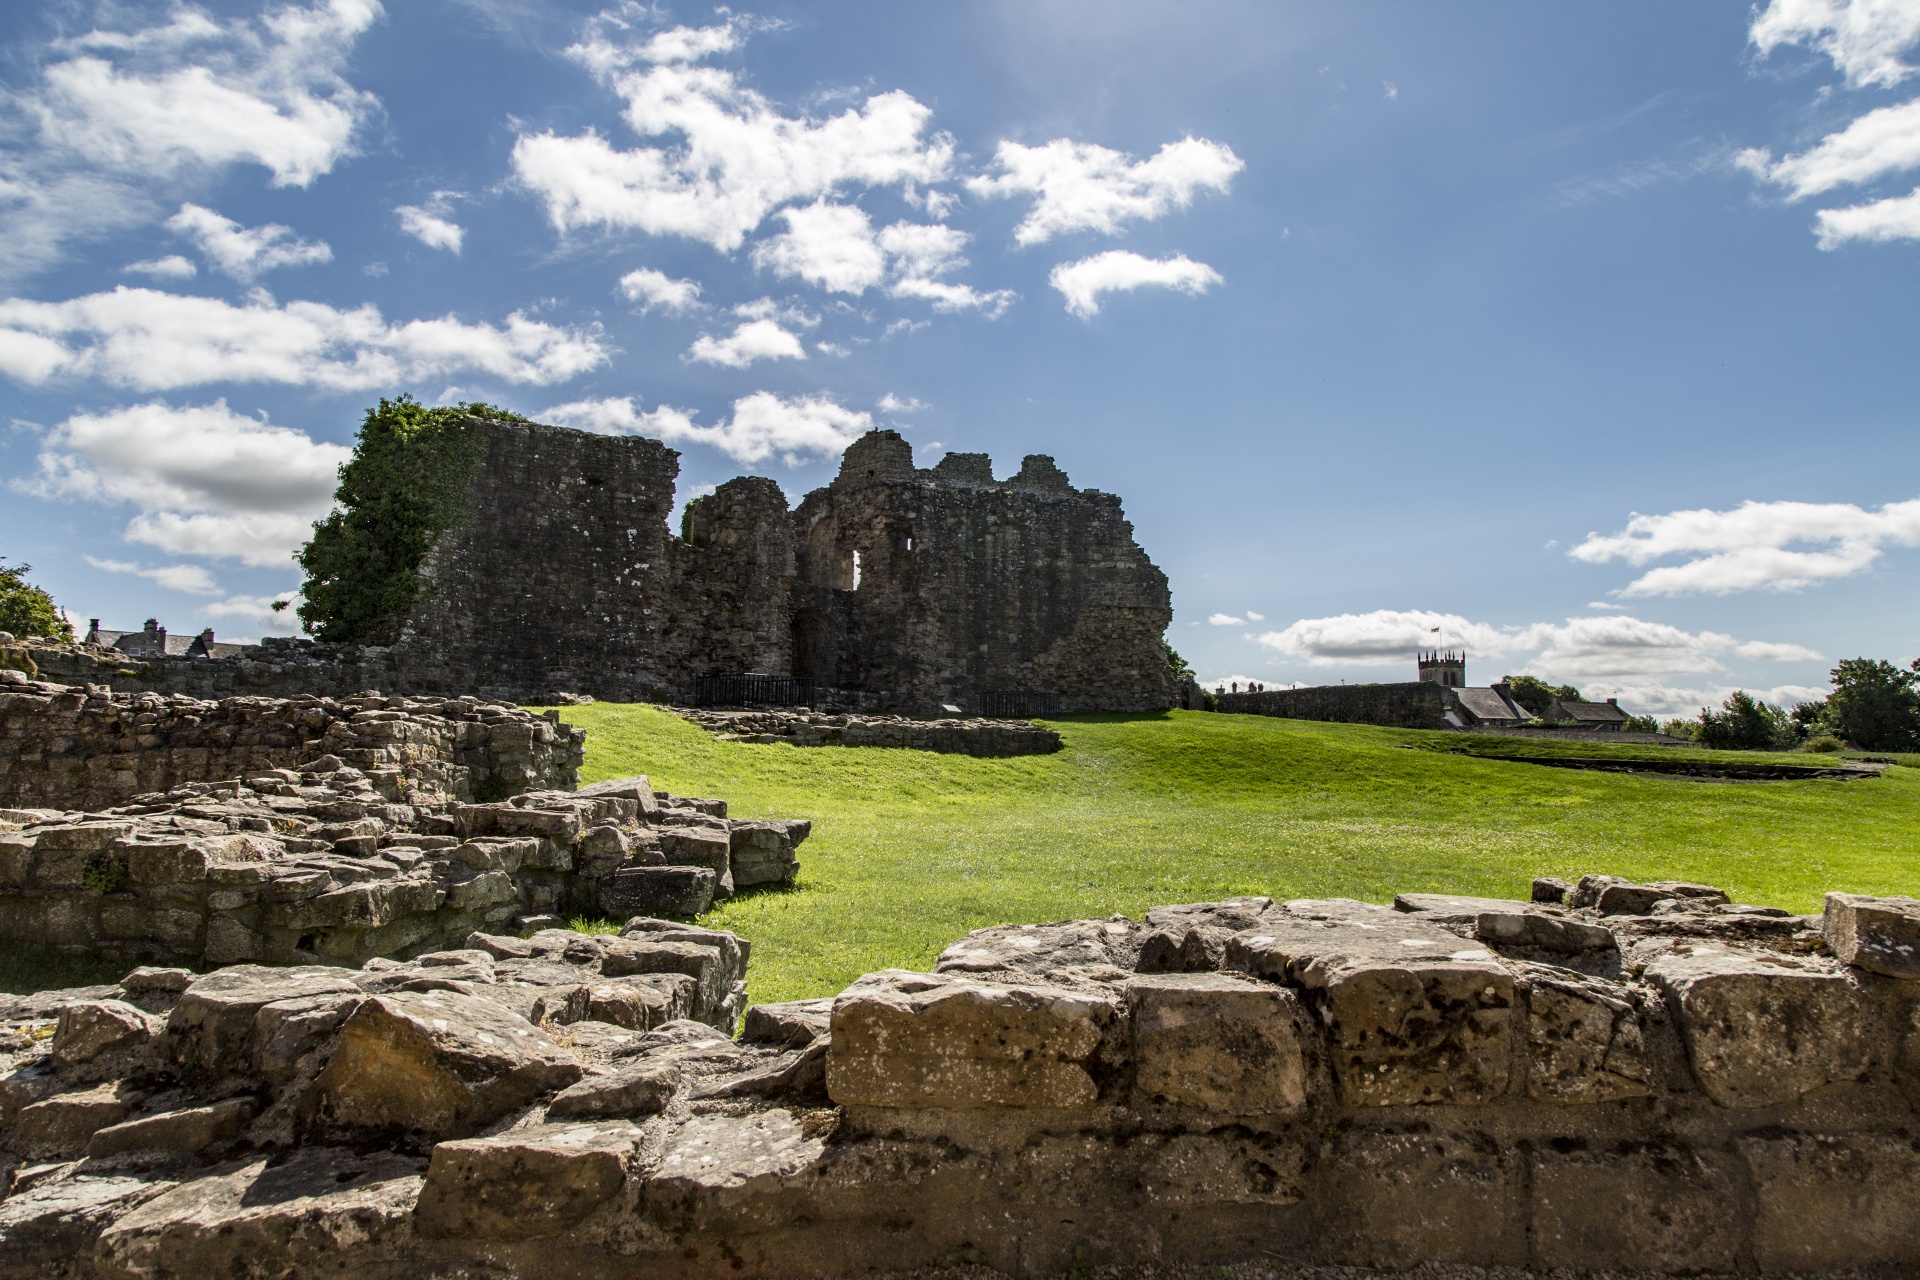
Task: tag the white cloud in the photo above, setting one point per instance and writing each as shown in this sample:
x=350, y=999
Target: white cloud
x=830, y=245
x=1654, y=698
x=203, y=479
x=763, y=424
x=1895, y=218
x=171, y=267
x=245, y=252
x=1082, y=187
x=1765, y=651
x=1883, y=141
x=1255, y=617
x=751, y=341
x=1226, y=620
x=1754, y=545
x=1383, y=637
x=201, y=92
x=654, y=289
x=835, y=247
x=192, y=579
x=891, y=403
x=260, y=612
x=431, y=229
x=155, y=341
x=736, y=157
x=1116, y=270
x=1865, y=38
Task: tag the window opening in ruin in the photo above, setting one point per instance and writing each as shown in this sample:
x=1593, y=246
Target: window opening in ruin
x=909, y=542
x=856, y=571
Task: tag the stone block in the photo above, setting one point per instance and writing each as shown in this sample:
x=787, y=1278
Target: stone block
x=1880, y=934
x=168, y=862
x=524, y=1184
x=437, y=1063
x=1827, y=1202
x=701, y=847
x=731, y=1173
x=212, y=1027
x=1414, y=1014
x=791, y=1024
x=642, y=1002
x=1665, y=1210
x=477, y=893
x=919, y=1040
x=90, y=1028
x=1394, y=1200
x=1761, y=1029
x=763, y=852
x=16, y=860
x=365, y=906
x=642, y=1088
x=1218, y=1042
x=286, y=1031
x=62, y=1124
x=185, y=1131
x=1584, y=1040
x=672, y=891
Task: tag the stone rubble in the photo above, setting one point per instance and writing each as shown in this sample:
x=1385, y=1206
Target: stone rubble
x=1619, y=1077
x=319, y=865
x=966, y=736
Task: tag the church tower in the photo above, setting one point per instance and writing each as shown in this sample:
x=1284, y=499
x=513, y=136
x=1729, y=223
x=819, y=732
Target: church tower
x=1448, y=670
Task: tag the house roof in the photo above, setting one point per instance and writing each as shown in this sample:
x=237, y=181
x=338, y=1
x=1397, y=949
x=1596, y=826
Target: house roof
x=1487, y=704
x=1588, y=712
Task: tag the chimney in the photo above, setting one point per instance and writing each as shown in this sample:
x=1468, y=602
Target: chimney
x=1613, y=702
x=206, y=637
x=95, y=622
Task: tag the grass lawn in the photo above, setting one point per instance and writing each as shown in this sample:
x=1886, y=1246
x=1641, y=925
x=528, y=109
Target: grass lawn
x=910, y=849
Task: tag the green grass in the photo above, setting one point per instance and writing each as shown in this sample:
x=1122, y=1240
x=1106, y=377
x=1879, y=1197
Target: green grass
x=910, y=849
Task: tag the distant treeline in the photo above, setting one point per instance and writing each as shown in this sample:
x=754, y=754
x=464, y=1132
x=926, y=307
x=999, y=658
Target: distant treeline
x=1875, y=706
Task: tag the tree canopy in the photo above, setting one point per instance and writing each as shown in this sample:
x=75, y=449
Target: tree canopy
x=1536, y=695
x=27, y=610
x=1875, y=705
x=405, y=484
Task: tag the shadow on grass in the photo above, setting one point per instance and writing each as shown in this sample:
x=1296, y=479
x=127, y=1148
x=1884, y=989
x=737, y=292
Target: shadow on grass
x=602, y=925
x=25, y=969
x=1103, y=717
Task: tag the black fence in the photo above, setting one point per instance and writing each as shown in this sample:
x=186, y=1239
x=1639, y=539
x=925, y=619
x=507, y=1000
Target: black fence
x=752, y=691
x=1016, y=704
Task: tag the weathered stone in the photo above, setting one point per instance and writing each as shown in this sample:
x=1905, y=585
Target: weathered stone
x=1762, y=1029
x=916, y=1040
x=723, y=1170
x=523, y=1184
x=189, y=1129
x=1880, y=934
x=789, y=1023
x=763, y=852
x=322, y=1212
x=62, y=1124
x=1219, y=1043
x=701, y=847
x=438, y=1063
x=673, y=891
x=1834, y=1201
x=48, y=1230
x=212, y=1026
x=1513, y=924
x=641, y=1088
x=1584, y=1040
x=287, y=1031
x=1415, y=1014
x=1663, y=1210
x=1391, y=1200
x=90, y=1028
x=1612, y=895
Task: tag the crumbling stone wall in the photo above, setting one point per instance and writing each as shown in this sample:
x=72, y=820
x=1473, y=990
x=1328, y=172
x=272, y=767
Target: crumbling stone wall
x=1420, y=705
x=967, y=585
x=91, y=749
x=1614, y=1077
x=951, y=736
x=564, y=578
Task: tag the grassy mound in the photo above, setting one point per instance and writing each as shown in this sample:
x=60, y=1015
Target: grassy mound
x=911, y=849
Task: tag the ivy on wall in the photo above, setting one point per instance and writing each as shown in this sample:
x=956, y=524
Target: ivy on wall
x=405, y=484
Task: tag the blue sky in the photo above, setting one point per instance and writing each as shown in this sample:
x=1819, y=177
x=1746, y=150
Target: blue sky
x=1583, y=334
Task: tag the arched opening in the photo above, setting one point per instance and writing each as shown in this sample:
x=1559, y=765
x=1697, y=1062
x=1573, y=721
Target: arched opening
x=816, y=647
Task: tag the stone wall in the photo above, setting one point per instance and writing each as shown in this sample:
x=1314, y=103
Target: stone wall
x=1615, y=1077
x=564, y=579
x=952, y=736
x=1418, y=705
x=89, y=749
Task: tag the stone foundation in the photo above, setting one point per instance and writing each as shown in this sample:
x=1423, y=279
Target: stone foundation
x=88, y=748
x=1614, y=1077
x=966, y=737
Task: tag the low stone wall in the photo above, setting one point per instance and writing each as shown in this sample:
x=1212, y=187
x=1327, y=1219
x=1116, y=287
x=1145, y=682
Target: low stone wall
x=1616, y=1076
x=87, y=748
x=316, y=866
x=1417, y=705
x=967, y=737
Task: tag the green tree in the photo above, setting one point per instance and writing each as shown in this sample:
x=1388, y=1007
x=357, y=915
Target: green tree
x=405, y=484
x=1536, y=695
x=1181, y=671
x=1641, y=724
x=1744, y=723
x=27, y=610
x=1687, y=730
x=1875, y=705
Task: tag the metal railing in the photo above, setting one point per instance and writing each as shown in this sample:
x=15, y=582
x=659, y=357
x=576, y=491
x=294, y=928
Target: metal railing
x=752, y=691
x=1016, y=704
